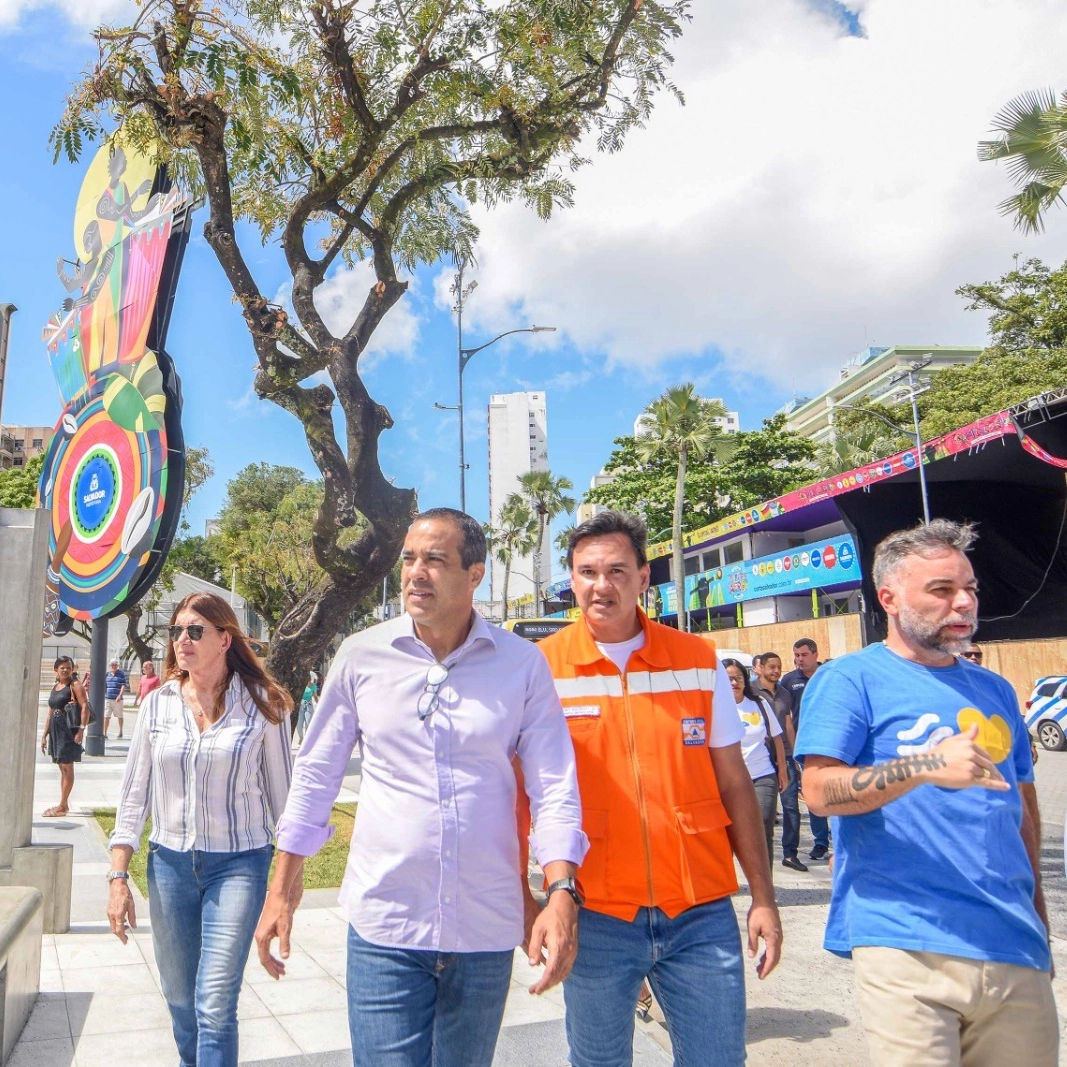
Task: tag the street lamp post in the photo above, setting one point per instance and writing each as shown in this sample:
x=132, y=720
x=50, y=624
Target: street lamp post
x=915, y=388
x=6, y=311
x=461, y=292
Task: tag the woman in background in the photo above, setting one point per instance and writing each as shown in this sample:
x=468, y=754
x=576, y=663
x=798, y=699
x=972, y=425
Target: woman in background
x=60, y=738
x=763, y=735
x=210, y=758
x=307, y=705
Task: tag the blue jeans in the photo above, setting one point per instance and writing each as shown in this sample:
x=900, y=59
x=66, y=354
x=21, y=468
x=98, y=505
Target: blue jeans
x=693, y=963
x=820, y=829
x=420, y=1008
x=204, y=907
x=791, y=813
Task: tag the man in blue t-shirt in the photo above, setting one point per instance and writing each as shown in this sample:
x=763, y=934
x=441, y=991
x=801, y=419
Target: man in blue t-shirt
x=115, y=686
x=924, y=761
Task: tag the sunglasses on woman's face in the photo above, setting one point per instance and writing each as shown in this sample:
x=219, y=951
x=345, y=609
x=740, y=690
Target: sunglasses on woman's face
x=194, y=630
x=976, y=656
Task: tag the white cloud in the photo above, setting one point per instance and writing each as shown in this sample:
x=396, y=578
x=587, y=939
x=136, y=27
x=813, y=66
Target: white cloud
x=339, y=300
x=817, y=192
x=89, y=13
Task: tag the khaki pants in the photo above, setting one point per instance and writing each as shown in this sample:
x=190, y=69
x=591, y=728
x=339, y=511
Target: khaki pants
x=922, y=1009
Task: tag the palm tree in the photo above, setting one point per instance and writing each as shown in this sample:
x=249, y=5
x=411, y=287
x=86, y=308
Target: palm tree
x=561, y=541
x=1034, y=143
x=849, y=449
x=681, y=425
x=545, y=494
x=515, y=536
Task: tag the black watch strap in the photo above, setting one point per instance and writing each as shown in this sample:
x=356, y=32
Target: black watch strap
x=568, y=885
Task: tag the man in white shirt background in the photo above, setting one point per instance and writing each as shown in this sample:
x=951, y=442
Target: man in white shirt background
x=441, y=703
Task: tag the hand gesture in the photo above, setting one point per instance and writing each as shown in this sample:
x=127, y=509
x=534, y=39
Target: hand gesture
x=555, y=935
x=764, y=923
x=276, y=921
x=120, y=909
x=962, y=763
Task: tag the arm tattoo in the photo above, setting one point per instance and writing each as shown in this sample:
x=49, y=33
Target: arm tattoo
x=898, y=770
x=836, y=791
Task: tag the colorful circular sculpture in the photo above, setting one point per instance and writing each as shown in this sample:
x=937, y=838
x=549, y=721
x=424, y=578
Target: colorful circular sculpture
x=114, y=469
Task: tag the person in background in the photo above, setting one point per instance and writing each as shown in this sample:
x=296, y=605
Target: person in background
x=761, y=747
x=806, y=662
x=149, y=681
x=768, y=670
x=60, y=740
x=209, y=758
x=115, y=686
x=307, y=705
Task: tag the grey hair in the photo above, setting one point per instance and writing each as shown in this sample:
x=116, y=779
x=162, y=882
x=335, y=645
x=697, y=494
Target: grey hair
x=926, y=540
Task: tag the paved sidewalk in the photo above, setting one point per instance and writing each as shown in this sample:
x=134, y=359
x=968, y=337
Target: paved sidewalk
x=100, y=1003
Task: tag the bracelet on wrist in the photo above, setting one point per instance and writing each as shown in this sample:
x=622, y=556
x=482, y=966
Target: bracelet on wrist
x=123, y=875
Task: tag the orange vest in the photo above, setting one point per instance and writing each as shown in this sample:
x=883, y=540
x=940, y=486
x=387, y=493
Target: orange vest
x=650, y=800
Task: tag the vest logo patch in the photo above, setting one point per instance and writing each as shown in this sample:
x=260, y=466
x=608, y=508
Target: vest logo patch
x=582, y=711
x=695, y=731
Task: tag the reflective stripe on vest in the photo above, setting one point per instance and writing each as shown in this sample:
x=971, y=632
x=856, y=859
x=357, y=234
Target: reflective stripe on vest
x=638, y=682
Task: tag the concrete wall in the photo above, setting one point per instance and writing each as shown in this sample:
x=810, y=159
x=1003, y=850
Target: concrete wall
x=23, y=562
x=20, y=962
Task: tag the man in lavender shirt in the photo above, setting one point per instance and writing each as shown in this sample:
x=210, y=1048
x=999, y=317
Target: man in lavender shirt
x=441, y=703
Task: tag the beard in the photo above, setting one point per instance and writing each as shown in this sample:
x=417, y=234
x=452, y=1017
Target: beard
x=936, y=637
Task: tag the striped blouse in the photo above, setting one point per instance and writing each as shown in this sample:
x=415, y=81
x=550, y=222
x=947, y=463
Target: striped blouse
x=222, y=790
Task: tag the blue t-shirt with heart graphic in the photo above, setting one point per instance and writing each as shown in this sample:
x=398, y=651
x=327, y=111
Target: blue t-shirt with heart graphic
x=936, y=870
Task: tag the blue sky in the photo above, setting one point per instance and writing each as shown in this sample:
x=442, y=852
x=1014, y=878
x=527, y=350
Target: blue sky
x=705, y=251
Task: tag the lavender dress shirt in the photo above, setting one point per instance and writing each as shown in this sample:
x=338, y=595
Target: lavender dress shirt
x=434, y=861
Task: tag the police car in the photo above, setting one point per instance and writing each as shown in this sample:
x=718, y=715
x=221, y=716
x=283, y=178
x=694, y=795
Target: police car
x=1046, y=712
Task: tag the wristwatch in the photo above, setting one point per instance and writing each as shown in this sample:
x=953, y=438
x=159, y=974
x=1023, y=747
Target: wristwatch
x=568, y=885
x=112, y=875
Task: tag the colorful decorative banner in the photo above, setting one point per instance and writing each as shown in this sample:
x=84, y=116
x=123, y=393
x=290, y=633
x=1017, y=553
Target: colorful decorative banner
x=815, y=566
x=1042, y=454
x=114, y=470
x=977, y=433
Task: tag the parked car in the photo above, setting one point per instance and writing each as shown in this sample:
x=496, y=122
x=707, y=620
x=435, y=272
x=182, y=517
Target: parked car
x=1046, y=712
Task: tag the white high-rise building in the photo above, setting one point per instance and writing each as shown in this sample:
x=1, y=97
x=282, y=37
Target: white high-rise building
x=518, y=444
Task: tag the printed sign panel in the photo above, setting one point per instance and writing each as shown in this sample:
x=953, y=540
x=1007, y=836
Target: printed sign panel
x=815, y=566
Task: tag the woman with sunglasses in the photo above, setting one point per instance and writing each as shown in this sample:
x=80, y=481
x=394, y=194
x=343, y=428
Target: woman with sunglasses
x=64, y=743
x=763, y=735
x=209, y=758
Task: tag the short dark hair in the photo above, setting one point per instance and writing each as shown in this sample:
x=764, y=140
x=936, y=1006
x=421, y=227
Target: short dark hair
x=764, y=656
x=808, y=643
x=472, y=547
x=611, y=522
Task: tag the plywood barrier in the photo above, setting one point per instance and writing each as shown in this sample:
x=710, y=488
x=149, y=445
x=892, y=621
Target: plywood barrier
x=835, y=636
x=1021, y=662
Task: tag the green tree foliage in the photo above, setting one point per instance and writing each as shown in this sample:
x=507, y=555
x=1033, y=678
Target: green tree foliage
x=1033, y=141
x=547, y=497
x=18, y=485
x=266, y=527
x=202, y=557
x=680, y=425
x=1027, y=354
x=514, y=536
x=851, y=448
x=345, y=131
x=766, y=463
